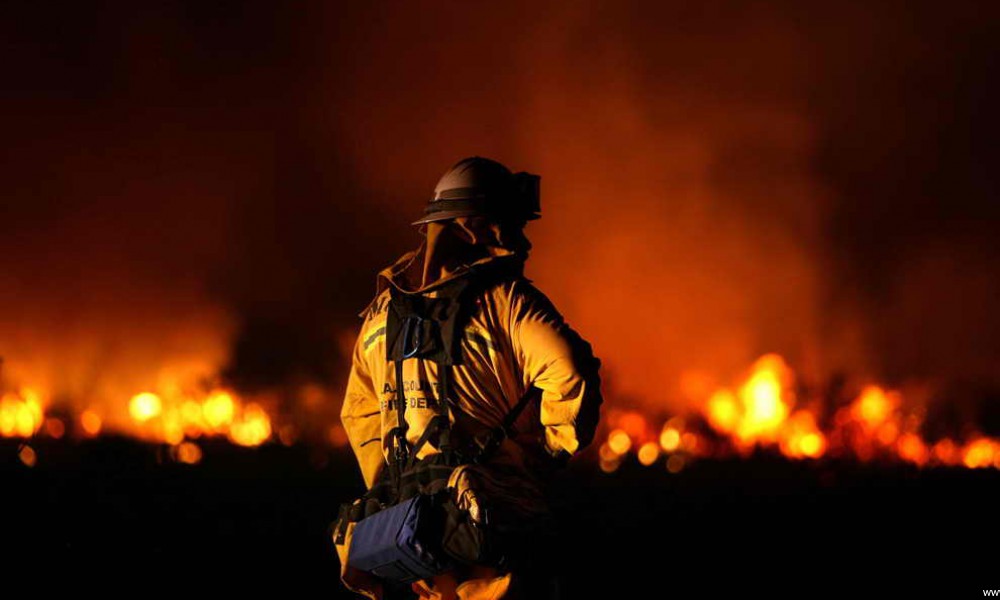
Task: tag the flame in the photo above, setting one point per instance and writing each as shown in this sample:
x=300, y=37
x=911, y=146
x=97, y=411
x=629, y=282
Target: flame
x=758, y=411
x=619, y=441
x=670, y=439
x=21, y=413
x=648, y=453
x=171, y=416
x=981, y=452
x=874, y=406
x=801, y=437
x=145, y=406
x=722, y=411
x=763, y=411
x=183, y=415
x=253, y=429
x=91, y=422
x=218, y=409
x=763, y=398
x=913, y=449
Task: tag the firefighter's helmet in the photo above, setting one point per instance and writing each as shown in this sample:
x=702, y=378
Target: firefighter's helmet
x=480, y=186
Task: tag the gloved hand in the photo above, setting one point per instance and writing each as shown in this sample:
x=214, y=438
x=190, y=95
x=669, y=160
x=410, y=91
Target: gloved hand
x=463, y=484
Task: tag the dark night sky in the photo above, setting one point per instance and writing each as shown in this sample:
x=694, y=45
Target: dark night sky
x=744, y=177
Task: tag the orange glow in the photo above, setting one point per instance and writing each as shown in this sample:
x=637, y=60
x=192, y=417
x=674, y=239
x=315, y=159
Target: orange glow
x=874, y=406
x=338, y=436
x=722, y=411
x=813, y=444
x=670, y=439
x=801, y=438
x=689, y=442
x=946, y=452
x=145, y=406
x=91, y=422
x=633, y=424
x=763, y=412
x=756, y=413
x=675, y=463
x=763, y=398
x=888, y=433
x=610, y=466
x=979, y=453
x=648, y=453
x=21, y=413
x=192, y=416
x=253, y=429
x=173, y=427
x=219, y=409
x=607, y=454
x=188, y=453
x=286, y=434
x=175, y=413
x=911, y=448
x=27, y=455
x=758, y=410
x=619, y=441
x=55, y=428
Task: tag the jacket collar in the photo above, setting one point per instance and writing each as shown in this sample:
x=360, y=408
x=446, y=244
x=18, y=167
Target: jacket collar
x=408, y=268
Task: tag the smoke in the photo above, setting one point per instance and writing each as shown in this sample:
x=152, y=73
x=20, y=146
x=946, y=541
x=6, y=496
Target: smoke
x=217, y=185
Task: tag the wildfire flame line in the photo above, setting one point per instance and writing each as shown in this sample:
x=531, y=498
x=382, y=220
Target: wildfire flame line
x=171, y=419
x=762, y=412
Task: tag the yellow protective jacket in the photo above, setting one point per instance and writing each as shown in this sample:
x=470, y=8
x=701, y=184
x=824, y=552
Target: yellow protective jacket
x=514, y=340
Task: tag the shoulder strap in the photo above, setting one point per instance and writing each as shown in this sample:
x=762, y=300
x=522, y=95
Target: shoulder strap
x=426, y=328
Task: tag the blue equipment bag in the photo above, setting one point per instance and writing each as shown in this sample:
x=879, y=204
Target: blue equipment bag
x=397, y=544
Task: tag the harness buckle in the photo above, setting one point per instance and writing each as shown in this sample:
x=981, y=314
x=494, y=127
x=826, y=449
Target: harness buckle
x=411, y=322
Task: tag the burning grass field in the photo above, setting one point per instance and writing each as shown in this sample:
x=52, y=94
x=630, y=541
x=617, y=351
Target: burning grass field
x=129, y=515
x=762, y=486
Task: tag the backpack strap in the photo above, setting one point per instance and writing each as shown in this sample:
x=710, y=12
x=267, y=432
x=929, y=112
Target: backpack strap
x=426, y=328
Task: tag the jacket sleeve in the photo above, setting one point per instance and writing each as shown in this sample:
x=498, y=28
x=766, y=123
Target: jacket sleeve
x=557, y=361
x=360, y=416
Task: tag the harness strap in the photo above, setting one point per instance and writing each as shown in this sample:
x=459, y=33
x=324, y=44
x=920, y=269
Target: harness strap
x=397, y=435
x=430, y=329
x=439, y=424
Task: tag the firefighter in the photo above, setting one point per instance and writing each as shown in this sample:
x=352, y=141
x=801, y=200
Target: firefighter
x=517, y=358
